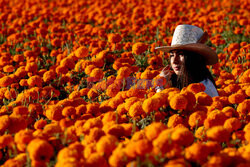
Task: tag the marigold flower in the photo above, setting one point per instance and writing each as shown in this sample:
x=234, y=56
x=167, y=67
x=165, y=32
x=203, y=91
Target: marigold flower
x=117, y=157
x=97, y=74
x=236, y=98
x=96, y=159
x=68, y=111
x=244, y=107
x=203, y=99
x=21, y=110
x=178, y=102
x=6, y=140
x=196, y=87
x=232, y=124
x=174, y=120
x=31, y=67
x=151, y=104
x=81, y=52
x=17, y=122
x=139, y=48
x=153, y=130
x=49, y=75
x=6, y=81
x=215, y=118
x=114, y=38
x=135, y=109
x=54, y=112
x=123, y=72
x=182, y=136
x=40, y=124
x=10, y=94
x=229, y=111
x=4, y=123
x=35, y=81
x=200, y=133
x=196, y=119
x=40, y=150
x=197, y=152
x=8, y=68
x=218, y=133
x=112, y=90
x=163, y=141
x=93, y=108
x=106, y=144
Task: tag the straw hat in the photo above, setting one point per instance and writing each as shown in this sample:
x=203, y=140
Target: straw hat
x=191, y=38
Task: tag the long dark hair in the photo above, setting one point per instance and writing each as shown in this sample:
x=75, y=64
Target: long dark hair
x=194, y=70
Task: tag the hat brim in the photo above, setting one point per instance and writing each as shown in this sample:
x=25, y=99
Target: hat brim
x=202, y=49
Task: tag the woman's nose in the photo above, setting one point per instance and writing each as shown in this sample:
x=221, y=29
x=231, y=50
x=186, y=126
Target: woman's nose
x=176, y=59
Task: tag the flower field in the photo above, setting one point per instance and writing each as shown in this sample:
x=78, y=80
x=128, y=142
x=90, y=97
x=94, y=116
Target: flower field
x=78, y=78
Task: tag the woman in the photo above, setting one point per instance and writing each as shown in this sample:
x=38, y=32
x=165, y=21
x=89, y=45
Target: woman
x=188, y=59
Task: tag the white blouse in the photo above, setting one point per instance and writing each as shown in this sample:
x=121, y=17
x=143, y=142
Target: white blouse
x=210, y=88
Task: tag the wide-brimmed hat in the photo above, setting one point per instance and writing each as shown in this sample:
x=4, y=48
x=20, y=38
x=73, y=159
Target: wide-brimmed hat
x=191, y=38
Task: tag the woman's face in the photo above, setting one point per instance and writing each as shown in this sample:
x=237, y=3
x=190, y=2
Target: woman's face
x=177, y=61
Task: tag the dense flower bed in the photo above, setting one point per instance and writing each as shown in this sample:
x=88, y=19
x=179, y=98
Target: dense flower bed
x=66, y=70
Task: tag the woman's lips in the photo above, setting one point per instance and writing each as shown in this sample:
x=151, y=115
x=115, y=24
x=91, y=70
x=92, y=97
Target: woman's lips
x=177, y=68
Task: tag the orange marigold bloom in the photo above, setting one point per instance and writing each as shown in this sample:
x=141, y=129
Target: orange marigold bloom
x=68, y=63
x=214, y=118
x=6, y=140
x=200, y=133
x=49, y=76
x=191, y=99
x=81, y=52
x=31, y=67
x=232, y=124
x=97, y=74
x=114, y=38
x=54, y=112
x=196, y=87
x=56, y=42
x=197, y=119
x=182, y=136
x=151, y=104
x=21, y=110
x=92, y=93
x=163, y=141
x=96, y=159
x=22, y=138
x=174, y=120
x=89, y=68
x=68, y=111
x=112, y=90
x=17, y=122
x=236, y=98
x=218, y=133
x=153, y=130
x=40, y=124
x=6, y=81
x=40, y=150
x=244, y=107
x=8, y=68
x=106, y=145
x=117, y=157
x=229, y=111
x=123, y=72
x=93, y=108
x=4, y=123
x=136, y=109
x=203, y=99
x=10, y=94
x=178, y=102
x=35, y=81
x=197, y=152
x=139, y=48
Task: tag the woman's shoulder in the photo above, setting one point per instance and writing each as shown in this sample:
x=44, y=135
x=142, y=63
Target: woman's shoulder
x=210, y=88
